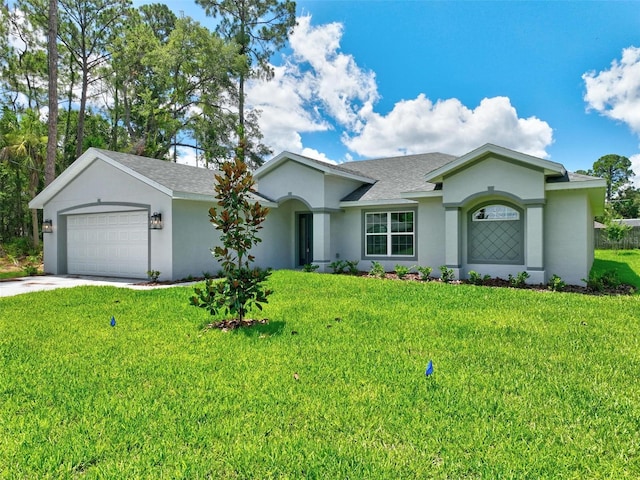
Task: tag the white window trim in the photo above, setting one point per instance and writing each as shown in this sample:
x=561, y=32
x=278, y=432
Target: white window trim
x=389, y=234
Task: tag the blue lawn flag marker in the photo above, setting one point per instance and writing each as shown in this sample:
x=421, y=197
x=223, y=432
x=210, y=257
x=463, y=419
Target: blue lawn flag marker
x=113, y=321
x=429, y=369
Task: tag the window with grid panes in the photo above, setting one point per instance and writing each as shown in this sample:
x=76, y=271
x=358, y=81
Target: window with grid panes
x=390, y=234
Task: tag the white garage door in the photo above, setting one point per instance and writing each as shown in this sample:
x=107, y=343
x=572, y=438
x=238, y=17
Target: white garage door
x=112, y=244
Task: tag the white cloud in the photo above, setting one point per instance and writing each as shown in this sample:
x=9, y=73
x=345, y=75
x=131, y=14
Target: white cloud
x=419, y=125
x=615, y=92
x=343, y=88
x=635, y=166
x=315, y=83
x=319, y=88
x=284, y=113
x=313, y=153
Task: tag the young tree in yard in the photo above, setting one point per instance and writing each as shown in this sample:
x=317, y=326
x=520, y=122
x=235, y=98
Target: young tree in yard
x=238, y=219
x=258, y=28
x=616, y=231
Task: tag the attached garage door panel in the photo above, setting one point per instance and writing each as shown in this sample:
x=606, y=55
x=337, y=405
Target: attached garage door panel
x=112, y=244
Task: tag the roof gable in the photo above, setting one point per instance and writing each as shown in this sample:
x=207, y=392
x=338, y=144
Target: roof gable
x=549, y=168
x=173, y=179
x=396, y=175
x=326, y=168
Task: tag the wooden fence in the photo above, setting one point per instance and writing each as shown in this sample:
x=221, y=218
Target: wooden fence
x=630, y=241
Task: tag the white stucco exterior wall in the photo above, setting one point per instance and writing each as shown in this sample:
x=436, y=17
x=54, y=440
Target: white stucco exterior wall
x=568, y=235
x=496, y=174
x=278, y=247
x=193, y=239
x=294, y=180
x=103, y=188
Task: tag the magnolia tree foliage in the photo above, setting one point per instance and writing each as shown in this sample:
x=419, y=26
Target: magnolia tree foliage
x=238, y=219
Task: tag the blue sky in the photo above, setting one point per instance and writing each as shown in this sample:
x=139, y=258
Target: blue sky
x=363, y=79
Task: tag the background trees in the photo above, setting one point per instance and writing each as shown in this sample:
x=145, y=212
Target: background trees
x=257, y=28
x=621, y=196
x=616, y=170
x=139, y=80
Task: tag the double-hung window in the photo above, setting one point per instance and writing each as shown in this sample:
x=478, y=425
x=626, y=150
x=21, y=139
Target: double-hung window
x=390, y=234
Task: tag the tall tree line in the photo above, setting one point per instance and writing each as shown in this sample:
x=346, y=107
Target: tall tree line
x=99, y=73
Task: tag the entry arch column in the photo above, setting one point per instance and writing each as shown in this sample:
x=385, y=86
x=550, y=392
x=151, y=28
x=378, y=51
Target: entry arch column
x=452, y=240
x=322, y=239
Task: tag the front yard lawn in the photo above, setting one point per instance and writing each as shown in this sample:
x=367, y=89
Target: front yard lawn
x=526, y=384
x=626, y=263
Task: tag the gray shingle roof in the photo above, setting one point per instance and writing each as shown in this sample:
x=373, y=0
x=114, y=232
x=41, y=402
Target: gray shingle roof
x=571, y=177
x=177, y=177
x=341, y=167
x=392, y=176
x=180, y=179
x=395, y=175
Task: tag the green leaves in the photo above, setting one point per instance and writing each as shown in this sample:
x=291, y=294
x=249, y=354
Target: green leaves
x=616, y=170
x=238, y=221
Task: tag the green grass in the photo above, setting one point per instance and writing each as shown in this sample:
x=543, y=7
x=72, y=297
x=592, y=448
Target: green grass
x=12, y=274
x=625, y=262
x=527, y=384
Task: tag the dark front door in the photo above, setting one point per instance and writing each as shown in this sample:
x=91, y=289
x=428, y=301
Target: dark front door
x=305, y=238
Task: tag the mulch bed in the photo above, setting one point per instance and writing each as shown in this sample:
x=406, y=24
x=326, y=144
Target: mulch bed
x=622, y=289
x=226, y=325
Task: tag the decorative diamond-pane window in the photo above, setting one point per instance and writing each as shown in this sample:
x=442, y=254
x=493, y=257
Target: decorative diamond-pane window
x=389, y=233
x=496, y=236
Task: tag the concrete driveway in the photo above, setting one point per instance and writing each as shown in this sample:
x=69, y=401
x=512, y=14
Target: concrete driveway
x=17, y=286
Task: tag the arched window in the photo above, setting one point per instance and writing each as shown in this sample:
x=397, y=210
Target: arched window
x=495, y=235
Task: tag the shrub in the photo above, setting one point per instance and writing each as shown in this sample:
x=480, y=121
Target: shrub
x=30, y=266
x=477, y=279
x=338, y=266
x=424, y=272
x=519, y=280
x=18, y=247
x=377, y=270
x=153, y=275
x=402, y=271
x=599, y=282
x=310, y=267
x=352, y=266
x=556, y=283
x=446, y=274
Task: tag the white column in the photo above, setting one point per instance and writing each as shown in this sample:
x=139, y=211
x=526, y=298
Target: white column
x=534, y=253
x=322, y=240
x=452, y=240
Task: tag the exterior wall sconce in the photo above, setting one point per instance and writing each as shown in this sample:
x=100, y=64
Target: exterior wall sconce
x=155, y=221
x=47, y=226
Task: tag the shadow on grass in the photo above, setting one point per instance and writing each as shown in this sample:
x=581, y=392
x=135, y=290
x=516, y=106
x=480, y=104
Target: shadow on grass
x=625, y=273
x=257, y=329
x=254, y=330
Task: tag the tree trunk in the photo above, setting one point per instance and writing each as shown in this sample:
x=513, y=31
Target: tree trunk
x=114, y=128
x=67, y=127
x=52, y=139
x=34, y=228
x=83, y=107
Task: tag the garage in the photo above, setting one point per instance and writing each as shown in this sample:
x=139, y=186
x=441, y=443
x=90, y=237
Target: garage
x=113, y=244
